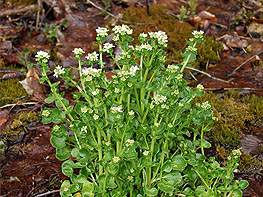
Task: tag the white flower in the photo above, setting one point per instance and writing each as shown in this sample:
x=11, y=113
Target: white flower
x=181, y=104
x=107, y=46
x=131, y=170
x=122, y=30
x=163, y=106
x=131, y=113
x=116, y=38
x=159, y=99
x=172, y=68
x=45, y=113
x=129, y=142
x=78, y=51
x=102, y=31
x=84, y=129
x=200, y=87
x=178, y=77
x=138, y=48
x=192, y=49
x=117, y=90
x=130, y=178
x=129, y=85
x=116, y=159
x=205, y=105
x=116, y=109
x=92, y=56
x=157, y=124
x=56, y=128
x=42, y=56
x=107, y=143
x=91, y=72
x=160, y=36
x=58, y=71
x=95, y=116
x=133, y=70
x=84, y=109
x=175, y=92
x=143, y=35
x=146, y=152
x=95, y=92
x=198, y=34
x=146, y=46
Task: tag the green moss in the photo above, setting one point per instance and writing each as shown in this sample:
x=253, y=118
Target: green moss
x=11, y=91
x=178, y=33
x=20, y=122
x=233, y=111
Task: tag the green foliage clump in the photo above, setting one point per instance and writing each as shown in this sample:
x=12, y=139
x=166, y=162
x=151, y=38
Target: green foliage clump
x=178, y=33
x=11, y=91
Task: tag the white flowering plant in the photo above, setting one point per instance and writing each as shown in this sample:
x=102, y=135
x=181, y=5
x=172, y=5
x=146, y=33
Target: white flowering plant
x=137, y=133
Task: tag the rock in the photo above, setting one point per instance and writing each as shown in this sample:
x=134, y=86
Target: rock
x=253, y=4
x=255, y=30
x=41, y=38
x=5, y=46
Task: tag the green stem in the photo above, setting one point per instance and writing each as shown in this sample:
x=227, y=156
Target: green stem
x=101, y=61
x=187, y=60
x=202, y=179
x=99, y=151
x=115, y=61
x=202, y=138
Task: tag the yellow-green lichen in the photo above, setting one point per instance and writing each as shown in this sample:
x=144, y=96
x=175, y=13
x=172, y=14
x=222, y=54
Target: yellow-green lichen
x=178, y=33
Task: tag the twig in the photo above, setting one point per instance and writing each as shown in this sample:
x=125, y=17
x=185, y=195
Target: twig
x=147, y=7
x=17, y=11
x=38, y=12
x=249, y=59
x=47, y=193
x=12, y=105
x=207, y=74
x=251, y=89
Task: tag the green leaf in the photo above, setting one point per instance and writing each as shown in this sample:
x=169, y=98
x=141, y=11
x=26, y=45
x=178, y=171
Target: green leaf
x=179, y=163
x=58, y=142
x=168, y=166
x=237, y=193
x=83, y=152
x=67, y=167
x=62, y=153
x=80, y=179
x=65, y=186
x=243, y=184
x=206, y=144
x=50, y=99
x=174, y=178
x=87, y=188
x=74, y=188
x=150, y=192
x=165, y=187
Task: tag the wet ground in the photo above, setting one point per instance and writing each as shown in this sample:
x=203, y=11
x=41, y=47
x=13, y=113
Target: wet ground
x=28, y=164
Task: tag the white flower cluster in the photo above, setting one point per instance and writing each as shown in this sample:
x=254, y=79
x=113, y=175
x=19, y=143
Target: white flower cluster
x=123, y=74
x=124, y=54
x=159, y=99
x=58, y=71
x=146, y=46
x=90, y=73
x=175, y=92
x=95, y=116
x=107, y=46
x=198, y=34
x=172, y=68
x=192, y=49
x=131, y=113
x=116, y=159
x=122, y=30
x=178, y=77
x=78, y=51
x=42, y=56
x=56, y=128
x=129, y=142
x=143, y=35
x=84, y=129
x=115, y=110
x=133, y=70
x=146, y=152
x=92, y=56
x=84, y=109
x=206, y=105
x=95, y=92
x=200, y=87
x=102, y=32
x=160, y=36
x=45, y=113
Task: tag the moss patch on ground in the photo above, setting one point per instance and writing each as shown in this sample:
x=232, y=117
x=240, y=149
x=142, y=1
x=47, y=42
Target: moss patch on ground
x=233, y=112
x=178, y=33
